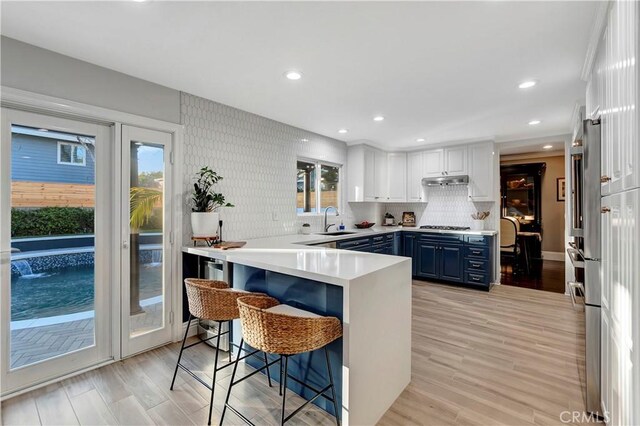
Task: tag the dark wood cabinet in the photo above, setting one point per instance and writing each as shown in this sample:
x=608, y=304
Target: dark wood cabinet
x=521, y=194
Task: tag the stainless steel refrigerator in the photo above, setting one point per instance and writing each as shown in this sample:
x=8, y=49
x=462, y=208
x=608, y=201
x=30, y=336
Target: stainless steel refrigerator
x=585, y=249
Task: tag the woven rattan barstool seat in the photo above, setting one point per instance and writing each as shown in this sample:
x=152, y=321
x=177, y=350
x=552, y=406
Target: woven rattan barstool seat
x=275, y=328
x=214, y=301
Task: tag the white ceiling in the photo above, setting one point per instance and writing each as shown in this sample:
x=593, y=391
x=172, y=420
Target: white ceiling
x=442, y=71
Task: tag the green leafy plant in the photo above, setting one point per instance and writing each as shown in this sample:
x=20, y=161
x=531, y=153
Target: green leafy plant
x=204, y=198
x=142, y=205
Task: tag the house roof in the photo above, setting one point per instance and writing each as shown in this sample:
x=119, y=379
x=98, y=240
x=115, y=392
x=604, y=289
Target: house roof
x=50, y=134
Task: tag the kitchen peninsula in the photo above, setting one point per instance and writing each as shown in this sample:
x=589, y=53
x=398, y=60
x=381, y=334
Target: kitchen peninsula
x=370, y=293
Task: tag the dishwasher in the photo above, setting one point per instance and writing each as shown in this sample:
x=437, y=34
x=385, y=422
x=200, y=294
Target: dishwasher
x=214, y=269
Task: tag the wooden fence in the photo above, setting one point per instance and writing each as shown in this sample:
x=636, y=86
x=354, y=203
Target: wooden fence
x=50, y=194
x=328, y=198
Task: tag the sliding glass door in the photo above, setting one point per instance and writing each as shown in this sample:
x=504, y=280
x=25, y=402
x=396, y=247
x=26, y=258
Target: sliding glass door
x=56, y=244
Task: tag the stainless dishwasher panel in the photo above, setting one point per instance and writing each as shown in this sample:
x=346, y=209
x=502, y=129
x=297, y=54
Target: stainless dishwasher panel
x=214, y=269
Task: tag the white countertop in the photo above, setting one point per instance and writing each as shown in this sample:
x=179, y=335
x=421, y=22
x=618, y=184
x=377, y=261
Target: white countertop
x=295, y=255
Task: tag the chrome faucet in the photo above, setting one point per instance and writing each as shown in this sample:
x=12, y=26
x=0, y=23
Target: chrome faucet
x=326, y=227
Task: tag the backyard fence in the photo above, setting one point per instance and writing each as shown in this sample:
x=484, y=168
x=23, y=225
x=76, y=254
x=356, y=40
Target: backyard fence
x=50, y=194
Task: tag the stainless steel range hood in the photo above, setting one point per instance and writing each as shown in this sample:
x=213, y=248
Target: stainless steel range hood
x=446, y=180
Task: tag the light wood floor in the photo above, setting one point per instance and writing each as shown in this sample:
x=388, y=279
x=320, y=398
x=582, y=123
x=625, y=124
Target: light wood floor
x=511, y=356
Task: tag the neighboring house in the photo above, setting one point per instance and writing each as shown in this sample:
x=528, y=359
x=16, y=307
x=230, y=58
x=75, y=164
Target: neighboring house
x=51, y=169
x=47, y=156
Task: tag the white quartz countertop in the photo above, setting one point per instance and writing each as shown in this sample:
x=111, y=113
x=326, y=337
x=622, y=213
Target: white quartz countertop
x=296, y=255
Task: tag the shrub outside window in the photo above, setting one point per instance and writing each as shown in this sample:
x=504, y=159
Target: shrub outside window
x=318, y=187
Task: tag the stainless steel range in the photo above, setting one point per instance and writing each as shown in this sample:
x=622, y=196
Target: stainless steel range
x=445, y=228
x=585, y=205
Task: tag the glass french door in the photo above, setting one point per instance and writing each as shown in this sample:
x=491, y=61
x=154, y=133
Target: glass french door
x=146, y=239
x=55, y=247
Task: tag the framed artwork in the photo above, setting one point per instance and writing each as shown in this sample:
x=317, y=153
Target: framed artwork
x=408, y=219
x=560, y=189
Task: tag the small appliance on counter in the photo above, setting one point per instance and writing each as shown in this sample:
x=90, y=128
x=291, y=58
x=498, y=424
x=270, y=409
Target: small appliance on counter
x=388, y=219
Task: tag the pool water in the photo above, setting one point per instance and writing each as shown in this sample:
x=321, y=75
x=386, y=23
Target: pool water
x=68, y=290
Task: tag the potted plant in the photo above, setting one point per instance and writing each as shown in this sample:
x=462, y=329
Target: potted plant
x=205, y=202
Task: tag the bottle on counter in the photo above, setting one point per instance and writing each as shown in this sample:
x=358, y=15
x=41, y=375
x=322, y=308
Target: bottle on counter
x=341, y=227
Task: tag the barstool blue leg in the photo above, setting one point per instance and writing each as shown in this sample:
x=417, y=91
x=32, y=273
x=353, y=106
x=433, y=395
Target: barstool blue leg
x=184, y=339
x=333, y=388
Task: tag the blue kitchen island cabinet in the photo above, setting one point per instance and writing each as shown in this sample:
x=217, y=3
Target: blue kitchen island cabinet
x=369, y=293
x=313, y=296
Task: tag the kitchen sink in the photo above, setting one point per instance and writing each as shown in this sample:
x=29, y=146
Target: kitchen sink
x=336, y=233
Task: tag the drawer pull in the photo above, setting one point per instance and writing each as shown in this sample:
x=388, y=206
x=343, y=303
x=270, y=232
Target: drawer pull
x=475, y=278
x=476, y=252
x=476, y=265
x=605, y=210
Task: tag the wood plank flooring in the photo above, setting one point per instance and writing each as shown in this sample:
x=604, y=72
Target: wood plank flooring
x=550, y=277
x=513, y=356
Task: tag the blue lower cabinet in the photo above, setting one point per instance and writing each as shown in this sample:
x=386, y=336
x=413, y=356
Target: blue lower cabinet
x=456, y=258
x=427, y=259
x=451, y=263
x=409, y=250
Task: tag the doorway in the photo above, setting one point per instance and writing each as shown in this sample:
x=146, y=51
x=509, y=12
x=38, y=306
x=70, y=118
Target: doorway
x=76, y=292
x=532, y=187
x=56, y=242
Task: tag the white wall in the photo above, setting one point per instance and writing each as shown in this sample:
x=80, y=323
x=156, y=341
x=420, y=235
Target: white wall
x=38, y=70
x=257, y=158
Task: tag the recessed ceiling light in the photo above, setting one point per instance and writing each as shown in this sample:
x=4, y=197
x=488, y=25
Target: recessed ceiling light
x=527, y=84
x=293, y=75
x=304, y=140
x=343, y=131
x=420, y=140
x=547, y=147
x=378, y=118
x=534, y=122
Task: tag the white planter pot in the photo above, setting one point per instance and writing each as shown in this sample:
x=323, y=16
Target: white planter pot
x=204, y=224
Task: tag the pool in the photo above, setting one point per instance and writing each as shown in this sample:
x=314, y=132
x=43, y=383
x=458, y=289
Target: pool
x=68, y=290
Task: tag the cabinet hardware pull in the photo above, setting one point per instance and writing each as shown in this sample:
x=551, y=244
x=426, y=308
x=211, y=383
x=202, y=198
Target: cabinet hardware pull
x=604, y=179
x=605, y=210
x=475, y=278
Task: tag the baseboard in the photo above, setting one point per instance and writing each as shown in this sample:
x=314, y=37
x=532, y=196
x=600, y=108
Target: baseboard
x=193, y=329
x=553, y=255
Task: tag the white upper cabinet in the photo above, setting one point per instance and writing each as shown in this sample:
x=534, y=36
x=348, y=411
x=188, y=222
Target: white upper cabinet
x=368, y=174
x=433, y=163
x=613, y=92
x=397, y=174
x=455, y=161
x=415, y=172
x=445, y=162
x=381, y=177
x=481, y=172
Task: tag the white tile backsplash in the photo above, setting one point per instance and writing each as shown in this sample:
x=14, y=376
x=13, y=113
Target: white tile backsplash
x=447, y=205
x=257, y=158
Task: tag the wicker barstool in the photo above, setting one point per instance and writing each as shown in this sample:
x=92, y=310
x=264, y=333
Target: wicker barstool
x=215, y=301
x=279, y=329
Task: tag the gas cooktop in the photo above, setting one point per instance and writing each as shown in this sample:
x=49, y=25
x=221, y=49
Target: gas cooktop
x=445, y=228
